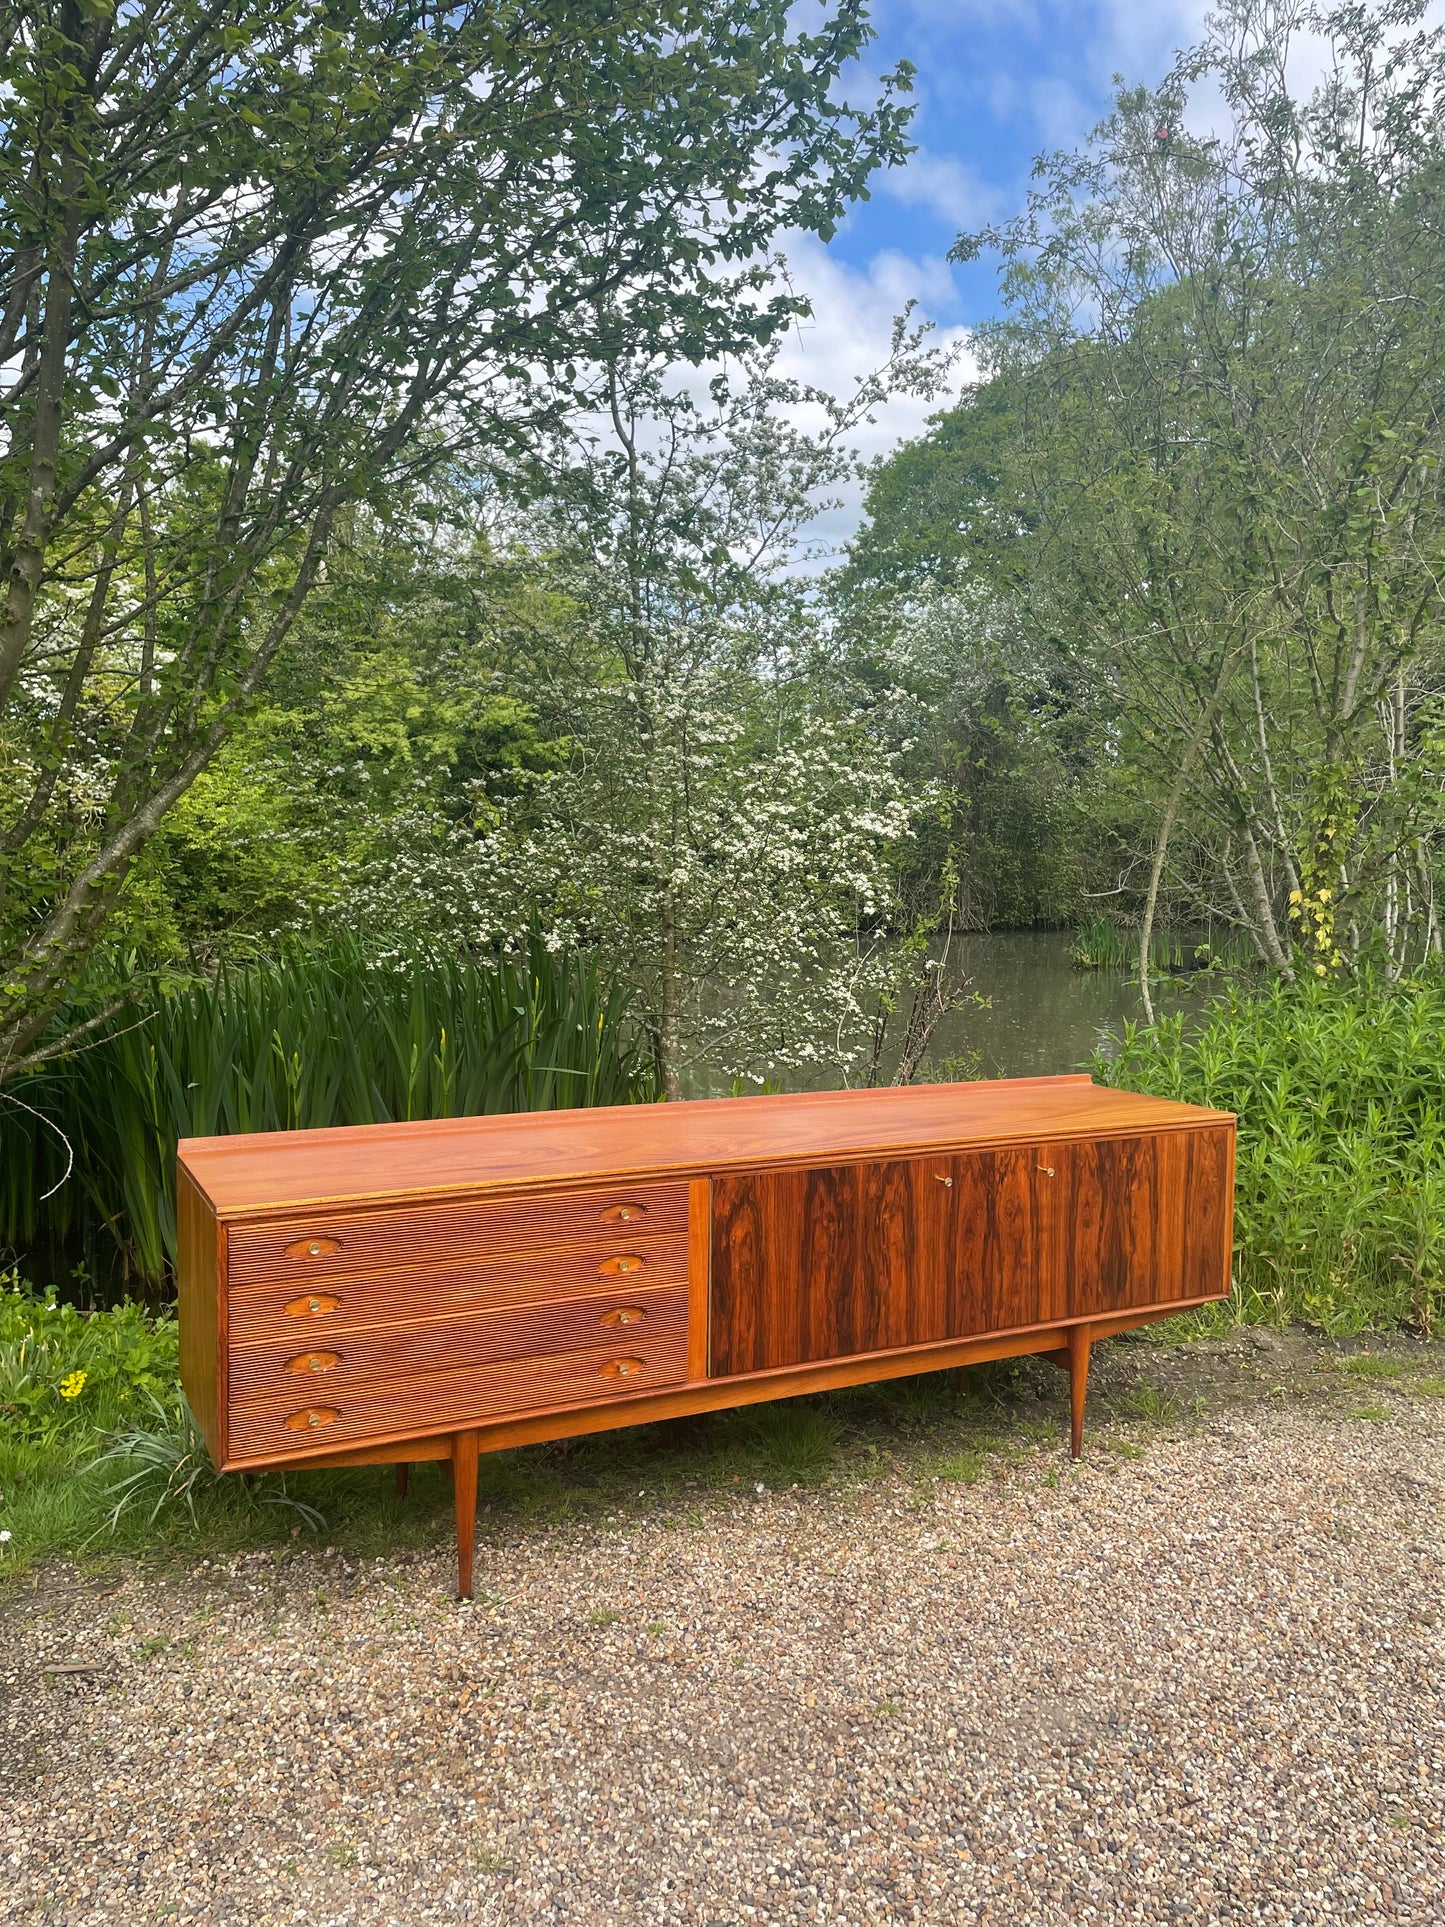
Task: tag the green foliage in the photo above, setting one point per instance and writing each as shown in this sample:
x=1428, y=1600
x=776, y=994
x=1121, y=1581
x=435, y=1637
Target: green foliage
x=1101, y=944
x=1340, y=1094
x=940, y=507
x=1222, y=364
x=66, y=1375
x=265, y=264
x=313, y=1039
x=166, y=1466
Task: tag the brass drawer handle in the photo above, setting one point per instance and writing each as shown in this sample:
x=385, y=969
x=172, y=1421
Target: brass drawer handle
x=623, y=1213
x=623, y=1263
x=311, y=1419
x=308, y=1248
x=619, y=1368
x=313, y=1362
x=314, y=1304
x=623, y=1315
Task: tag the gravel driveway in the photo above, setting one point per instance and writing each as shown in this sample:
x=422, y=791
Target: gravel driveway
x=1203, y=1684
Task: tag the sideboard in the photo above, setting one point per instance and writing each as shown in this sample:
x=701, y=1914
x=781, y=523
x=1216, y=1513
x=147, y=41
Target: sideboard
x=393, y=1293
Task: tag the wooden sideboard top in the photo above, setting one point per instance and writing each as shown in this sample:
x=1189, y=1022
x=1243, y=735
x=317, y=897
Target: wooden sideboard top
x=278, y=1170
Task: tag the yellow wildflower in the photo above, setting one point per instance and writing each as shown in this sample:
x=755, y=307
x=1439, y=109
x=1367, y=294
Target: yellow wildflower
x=73, y=1384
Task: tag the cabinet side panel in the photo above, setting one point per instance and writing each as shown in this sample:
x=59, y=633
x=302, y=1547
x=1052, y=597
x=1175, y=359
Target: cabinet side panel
x=199, y=1288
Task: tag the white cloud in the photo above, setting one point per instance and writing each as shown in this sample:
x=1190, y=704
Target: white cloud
x=950, y=188
x=847, y=336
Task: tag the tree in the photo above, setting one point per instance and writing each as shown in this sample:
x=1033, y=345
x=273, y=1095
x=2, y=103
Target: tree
x=261, y=262
x=726, y=822
x=1232, y=353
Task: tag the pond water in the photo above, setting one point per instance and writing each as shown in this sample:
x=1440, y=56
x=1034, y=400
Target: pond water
x=1042, y=1016
x=1032, y=1014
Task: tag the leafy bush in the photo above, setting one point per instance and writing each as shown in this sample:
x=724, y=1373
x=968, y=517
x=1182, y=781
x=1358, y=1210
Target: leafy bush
x=88, y=1142
x=1340, y=1093
x=67, y=1375
x=95, y=1434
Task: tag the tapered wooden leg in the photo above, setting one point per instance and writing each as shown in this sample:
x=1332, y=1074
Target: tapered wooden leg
x=1078, y=1385
x=464, y=1479
x=403, y=1479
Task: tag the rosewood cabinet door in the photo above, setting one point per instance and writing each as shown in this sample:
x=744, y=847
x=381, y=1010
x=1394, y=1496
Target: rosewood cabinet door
x=1000, y=1242
x=1143, y=1220
x=827, y=1263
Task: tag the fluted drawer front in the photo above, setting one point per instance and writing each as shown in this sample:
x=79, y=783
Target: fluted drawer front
x=298, y=1371
x=454, y=1399
x=300, y=1315
x=328, y=1245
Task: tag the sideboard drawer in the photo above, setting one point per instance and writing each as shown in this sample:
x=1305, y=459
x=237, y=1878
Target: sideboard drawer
x=439, y=1400
x=326, y=1366
x=318, y=1311
x=325, y=1245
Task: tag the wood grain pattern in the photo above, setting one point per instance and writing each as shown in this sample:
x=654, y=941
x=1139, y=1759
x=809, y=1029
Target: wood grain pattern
x=200, y=1303
x=825, y=1263
x=262, y=1314
x=279, y=1171
x=712, y=1395
x=447, y=1400
x=375, y=1354
x=999, y=1248
x=484, y=1229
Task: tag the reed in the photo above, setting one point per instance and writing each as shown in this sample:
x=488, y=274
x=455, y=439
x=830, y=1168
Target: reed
x=1101, y=944
x=312, y=1038
x=1340, y=1094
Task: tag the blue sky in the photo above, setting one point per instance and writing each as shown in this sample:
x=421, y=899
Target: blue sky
x=997, y=82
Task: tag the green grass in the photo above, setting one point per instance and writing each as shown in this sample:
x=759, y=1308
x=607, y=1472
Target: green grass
x=1340, y=1093
x=118, y=1468
x=1367, y=1365
x=314, y=1038
x=963, y=1468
